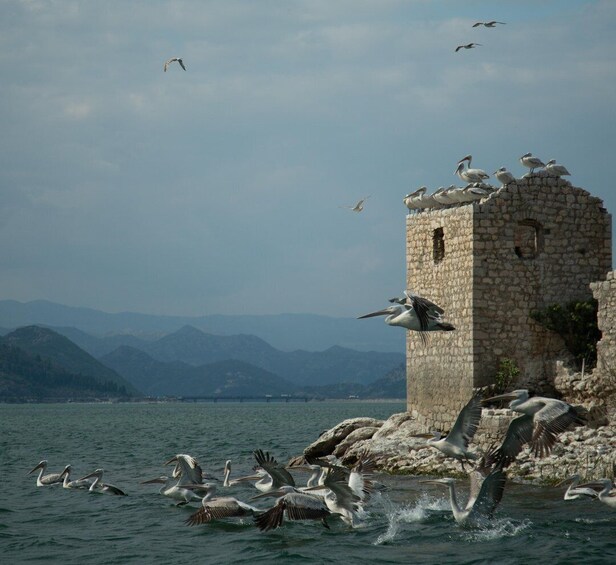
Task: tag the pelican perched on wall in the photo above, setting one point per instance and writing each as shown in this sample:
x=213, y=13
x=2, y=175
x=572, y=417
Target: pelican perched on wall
x=187, y=470
x=574, y=491
x=47, y=480
x=543, y=419
x=414, y=313
x=480, y=508
x=606, y=494
x=174, y=60
x=555, y=169
x=531, y=162
x=99, y=486
x=455, y=443
x=503, y=176
x=217, y=507
x=76, y=484
x=182, y=493
x=442, y=196
x=293, y=504
x=469, y=175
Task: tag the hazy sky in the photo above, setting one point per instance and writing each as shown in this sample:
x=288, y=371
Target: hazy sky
x=219, y=189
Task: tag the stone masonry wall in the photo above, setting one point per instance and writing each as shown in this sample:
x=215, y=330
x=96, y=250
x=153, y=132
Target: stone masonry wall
x=605, y=293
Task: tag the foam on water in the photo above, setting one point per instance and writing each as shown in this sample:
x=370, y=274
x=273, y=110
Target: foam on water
x=496, y=529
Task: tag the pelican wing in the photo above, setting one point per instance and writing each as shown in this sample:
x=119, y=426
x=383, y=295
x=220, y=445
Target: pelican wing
x=218, y=508
x=554, y=418
x=467, y=422
x=518, y=434
x=181, y=64
x=297, y=506
x=359, y=482
x=187, y=469
x=336, y=480
x=280, y=476
x=490, y=494
x=112, y=489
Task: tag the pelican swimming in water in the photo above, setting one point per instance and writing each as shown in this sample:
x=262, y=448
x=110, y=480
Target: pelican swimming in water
x=531, y=162
x=488, y=24
x=47, y=480
x=468, y=46
x=182, y=493
x=574, y=491
x=455, y=443
x=542, y=420
x=357, y=207
x=99, y=486
x=414, y=313
x=217, y=507
x=173, y=60
x=503, y=176
x=606, y=494
x=480, y=506
x=293, y=504
x=555, y=169
x=76, y=484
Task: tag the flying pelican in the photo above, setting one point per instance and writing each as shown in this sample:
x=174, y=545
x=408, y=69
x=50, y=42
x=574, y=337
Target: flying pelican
x=100, y=487
x=270, y=475
x=359, y=206
x=172, y=60
x=455, y=443
x=186, y=470
x=504, y=176
x=295, y=504
x=606, y=495
x=488, y=24
x=468, y=46
x=414, y=313
x=531, y=162
x=173, y=490
x=76, y=484
x=480, y=508
x=543, y=419
x=217, y=507
x=49, y=479
x=554, y=169
x=574, y=491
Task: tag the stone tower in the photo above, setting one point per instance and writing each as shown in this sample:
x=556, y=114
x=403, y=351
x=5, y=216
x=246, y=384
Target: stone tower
x=536, y=241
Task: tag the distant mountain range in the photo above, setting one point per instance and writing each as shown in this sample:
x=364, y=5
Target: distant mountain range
x=286, y=332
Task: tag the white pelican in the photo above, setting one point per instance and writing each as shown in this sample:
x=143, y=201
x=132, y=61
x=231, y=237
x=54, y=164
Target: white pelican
x=531, y=162
x=488, y=24
x=217, y=507
x=338, y=495
x=415, y=313
x=99, y=486
x=76, y=484
x=226, y=479
x=574, y=491
x=187, y=470
x=504, y=176
x=357, y=207
x=543, y=419
x=442, y=196
x=480, y=508
x=468, y=46
x=173, y=490
x=46, y=480
x=557, y=170
x=270, y=475
x=173, y=60
x=295, y=505
x=606, y=495
x=470, y=175
x=455, y=443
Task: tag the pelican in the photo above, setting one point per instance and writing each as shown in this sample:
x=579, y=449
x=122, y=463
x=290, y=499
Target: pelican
x=183, y=494
x=470, y=175
x=480, y=508
x=217, y=507
x=468, y=46
x=413, y=313
x=575, y=492
x=557, y=170
x=543, y=419
x=455, y=443
x=504, y=176
x=76, y=484
x=100, y=487
x=226, y=481
x=472, y=193
x=531, y=162
x=186, y=470
x=488, y=24
x=295, y=504
x=338, y=495
x=442, y=196
x=359, y=206
x=173, y=60
x=46, y=480
x=606, y=495
x=270, y=474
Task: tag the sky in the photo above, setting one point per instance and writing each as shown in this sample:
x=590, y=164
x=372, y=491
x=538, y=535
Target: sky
x=220, y=189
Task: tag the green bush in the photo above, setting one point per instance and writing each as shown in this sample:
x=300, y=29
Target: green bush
x=506, y=376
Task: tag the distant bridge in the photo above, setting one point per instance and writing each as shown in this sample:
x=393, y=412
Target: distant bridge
x=266, y=398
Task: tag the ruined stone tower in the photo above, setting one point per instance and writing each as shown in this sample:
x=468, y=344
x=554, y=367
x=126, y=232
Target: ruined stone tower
x=535, y=242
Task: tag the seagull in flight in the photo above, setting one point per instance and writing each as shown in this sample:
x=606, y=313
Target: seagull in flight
x=488, y=24
x=359, y=206
x=468, y=46
x=173, y=60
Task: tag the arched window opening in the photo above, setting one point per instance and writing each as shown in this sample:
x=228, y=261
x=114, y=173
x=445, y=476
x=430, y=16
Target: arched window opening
x=438, y=245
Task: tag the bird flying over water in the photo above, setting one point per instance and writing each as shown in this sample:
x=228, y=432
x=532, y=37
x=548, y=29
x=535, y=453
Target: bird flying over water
x=488, y=24
x=468, y=46
x=173, y=60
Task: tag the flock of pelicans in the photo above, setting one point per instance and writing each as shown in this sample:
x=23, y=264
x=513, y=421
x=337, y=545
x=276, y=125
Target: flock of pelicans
x=334, y=490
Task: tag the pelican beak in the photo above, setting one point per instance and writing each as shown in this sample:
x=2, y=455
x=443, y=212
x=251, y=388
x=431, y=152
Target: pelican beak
x=499, y=397
x=93, y=474
x=156, y=480
x=564, y=481
x=426, y=436
x=372, y=314
x=315, y=487
x=35, y=468
x=267, y=494
x=172, y=460
x=433, y=482
x=248, y=478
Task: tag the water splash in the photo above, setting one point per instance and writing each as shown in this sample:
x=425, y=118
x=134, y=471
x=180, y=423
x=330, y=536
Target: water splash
x=496, y=529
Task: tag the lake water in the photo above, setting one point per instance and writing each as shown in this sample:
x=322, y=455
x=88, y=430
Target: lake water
x=408, y=523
